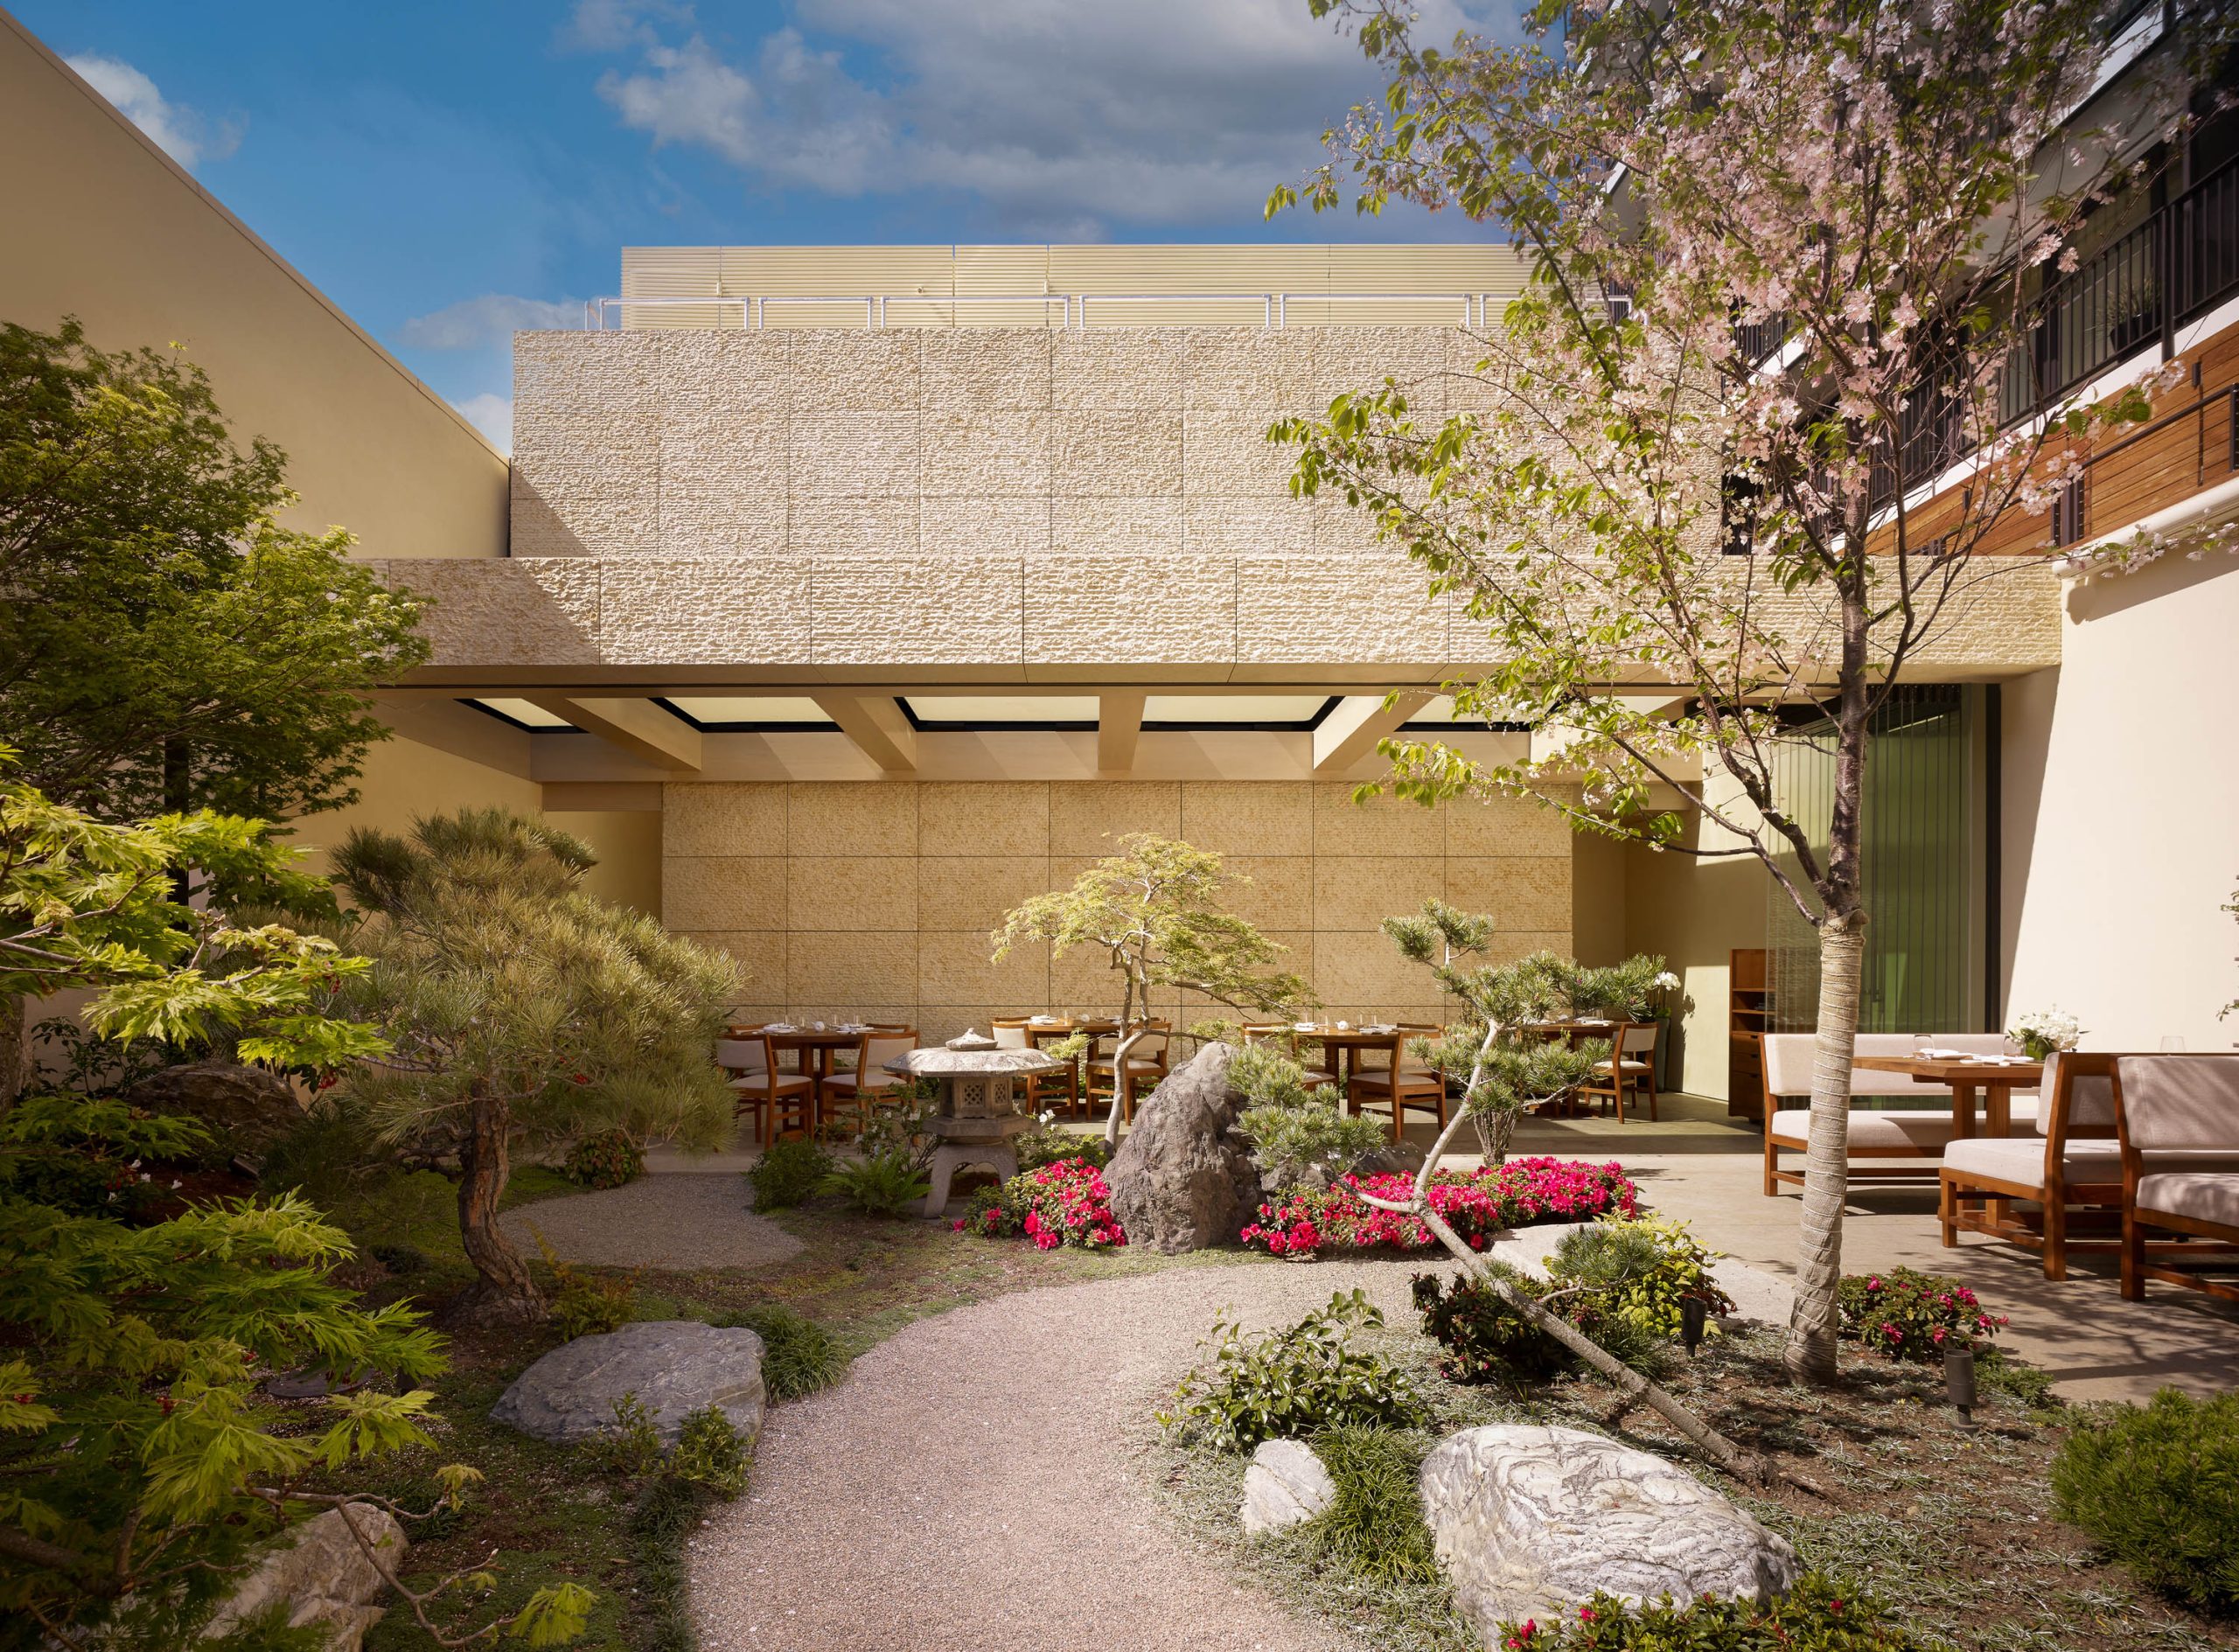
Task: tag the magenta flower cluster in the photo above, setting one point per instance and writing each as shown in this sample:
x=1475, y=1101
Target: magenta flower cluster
x=1476, y=1205
x=1907, y=1315
x=1065, y=1202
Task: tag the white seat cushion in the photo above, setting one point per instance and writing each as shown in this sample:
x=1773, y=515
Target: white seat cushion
x=1870, y=1130
x=2203, y=1195
x=2021, y=1159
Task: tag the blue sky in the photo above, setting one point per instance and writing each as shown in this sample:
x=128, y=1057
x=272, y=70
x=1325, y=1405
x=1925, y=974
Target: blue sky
x=449, y=171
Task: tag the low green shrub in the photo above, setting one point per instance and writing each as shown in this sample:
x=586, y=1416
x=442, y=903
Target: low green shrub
x=2157, y=1487
x=883, y=1184
x=1485, y=1339
x=1293, y=1381
x=1046, y=1144
x=1374, y=1528
x=1814, y=1616
x=1642, y=1269
x=1903, y=1314
x=798, y=1355
x=329, y=1156
x=788, y=1172
x=709, y=1452
x=611, y=1158
x=1292, y=1130
x=1999, y=1370
x=583, y=1304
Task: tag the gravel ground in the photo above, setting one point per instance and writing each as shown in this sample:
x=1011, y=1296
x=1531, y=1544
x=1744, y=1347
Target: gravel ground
x=968, y=1488
x=658, y=1221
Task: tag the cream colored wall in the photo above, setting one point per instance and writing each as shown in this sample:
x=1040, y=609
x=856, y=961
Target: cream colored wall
x=1598, y=900
x=404, y=779
x=103, y=225
x=876, y=899
x=2120, y=820
x=628, y=847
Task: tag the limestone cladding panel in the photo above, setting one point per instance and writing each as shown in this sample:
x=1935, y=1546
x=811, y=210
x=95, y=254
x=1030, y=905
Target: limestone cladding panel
x=1088, y=818
x=1225, y=453
x=987, y=370
x=832, y=533
x=1239, y=526
x=1290, y=612
x=722, y=487
x=849, y=370
x=832, y=967
x=852, y=893
x=1014, y=528
x=983, y=818
x=851, y=817
x=856, y=455
x=724, y=892
x=727, y=611
x=1355, y=360
x=881, y=610
x=1248, y=817
x=1248, y=370
x=1003, y=455
x=506, y=612
x=723, y=817
x=1117, y=453
x=1123, y=530
x=1094, y=611
x=586, y=479
x=1119, y=369
x=876, y=898
x=1522, y=892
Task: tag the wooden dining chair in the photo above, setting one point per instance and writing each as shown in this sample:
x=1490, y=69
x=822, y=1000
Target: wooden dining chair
x=1630, y=1069
x=1405, y=1080
x=1283, y=1036
x=869, y=1083
x=759, y=1088
x=1016, y=1032
x=1145, y=1064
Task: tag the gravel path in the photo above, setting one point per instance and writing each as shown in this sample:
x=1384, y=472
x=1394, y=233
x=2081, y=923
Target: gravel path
x=968, y=1490
x=658, y=1220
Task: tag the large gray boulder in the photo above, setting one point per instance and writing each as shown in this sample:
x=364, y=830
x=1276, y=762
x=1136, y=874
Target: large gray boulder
x=322, y=1574
x=1286, y=1484
x=1185, y=1178
x=675, y=1367
x=247, y=1108
x=1531, y=1521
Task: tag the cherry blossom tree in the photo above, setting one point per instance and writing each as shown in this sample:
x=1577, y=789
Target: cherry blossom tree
x=1782, y=259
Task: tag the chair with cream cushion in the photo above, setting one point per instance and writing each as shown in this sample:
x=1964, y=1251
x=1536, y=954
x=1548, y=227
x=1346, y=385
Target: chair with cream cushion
x=1146, y=1066
x=2168, y=1109
x=758, y=1087
x=870, y=1082
x=2075, y=1165
x=1630, y=1069
x=1017, y=1033
x=1876, y=1134
x=1406, y=1080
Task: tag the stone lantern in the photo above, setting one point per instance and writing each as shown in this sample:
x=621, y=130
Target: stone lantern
x=980, y=1105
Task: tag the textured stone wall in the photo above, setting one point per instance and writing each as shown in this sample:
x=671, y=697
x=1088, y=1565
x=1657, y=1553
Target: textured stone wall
x=876, y=899
x=1004, y=441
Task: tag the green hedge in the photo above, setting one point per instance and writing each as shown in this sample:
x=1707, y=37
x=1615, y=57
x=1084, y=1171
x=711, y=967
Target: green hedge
x=2158, y=1485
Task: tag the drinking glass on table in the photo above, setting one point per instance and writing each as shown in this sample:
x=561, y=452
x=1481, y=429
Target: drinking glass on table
x=2172, y=1045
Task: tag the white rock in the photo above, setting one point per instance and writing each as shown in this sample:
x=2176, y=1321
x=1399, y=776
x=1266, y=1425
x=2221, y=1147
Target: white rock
x=323, y=1575
x=1285, y=1485
x=1531, y=1521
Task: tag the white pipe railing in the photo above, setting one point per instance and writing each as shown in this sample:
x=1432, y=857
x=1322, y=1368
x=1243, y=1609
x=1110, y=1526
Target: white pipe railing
x=754, y=308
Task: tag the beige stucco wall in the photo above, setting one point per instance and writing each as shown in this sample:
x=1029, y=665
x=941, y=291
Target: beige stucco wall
x=403, y=780
x=2121, y=812
x=102, y=225
x=877, y=899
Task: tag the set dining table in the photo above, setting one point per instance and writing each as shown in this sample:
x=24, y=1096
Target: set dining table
x=1342, y=1046
x=810, y=1047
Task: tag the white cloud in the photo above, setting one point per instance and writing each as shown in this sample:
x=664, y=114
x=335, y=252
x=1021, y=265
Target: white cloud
x=609, y=26
x=492, y=415
x=181, y=133
x=492, y=318
x=1051, y=112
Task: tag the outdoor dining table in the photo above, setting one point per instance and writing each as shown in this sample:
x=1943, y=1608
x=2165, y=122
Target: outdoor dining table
x=812, y=1048
x=1343, y=1045
x=1997, y=1080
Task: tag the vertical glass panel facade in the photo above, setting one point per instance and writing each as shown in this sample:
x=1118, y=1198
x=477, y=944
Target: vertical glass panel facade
x=1922, y=865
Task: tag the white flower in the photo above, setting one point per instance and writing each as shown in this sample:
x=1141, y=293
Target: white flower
x=1665, y=981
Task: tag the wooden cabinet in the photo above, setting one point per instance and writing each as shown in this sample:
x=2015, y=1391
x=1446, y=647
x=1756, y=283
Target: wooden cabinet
x=1749, y=1016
